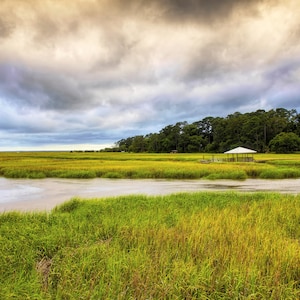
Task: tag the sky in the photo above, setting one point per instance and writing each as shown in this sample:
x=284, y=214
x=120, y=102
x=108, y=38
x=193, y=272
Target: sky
x=83, y=74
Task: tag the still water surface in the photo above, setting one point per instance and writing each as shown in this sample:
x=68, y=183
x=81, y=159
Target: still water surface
x=45, y=194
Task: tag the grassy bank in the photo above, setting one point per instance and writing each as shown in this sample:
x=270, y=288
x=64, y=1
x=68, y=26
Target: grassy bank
x=184, y=246
x=129, y=165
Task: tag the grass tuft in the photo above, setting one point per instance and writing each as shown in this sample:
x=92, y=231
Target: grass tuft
x=69, y=206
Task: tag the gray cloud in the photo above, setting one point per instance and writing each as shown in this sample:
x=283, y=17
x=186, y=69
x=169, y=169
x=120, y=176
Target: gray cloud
x=46, y=29
x=202, y=11
x=285, y=70
x=6, y=27
x=199, y=11
x=40, y=89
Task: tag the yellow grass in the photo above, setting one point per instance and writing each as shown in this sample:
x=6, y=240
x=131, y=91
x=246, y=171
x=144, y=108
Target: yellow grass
x=129, y=165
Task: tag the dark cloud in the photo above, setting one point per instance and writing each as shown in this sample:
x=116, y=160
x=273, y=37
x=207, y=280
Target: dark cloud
x=6, y=27
x=52, y=19
x=46, y=29
x=200, y=11
x=41, y=89
x=209, y=61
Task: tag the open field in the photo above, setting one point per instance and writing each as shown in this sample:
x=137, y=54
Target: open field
x=132, y=165
x=183, y=246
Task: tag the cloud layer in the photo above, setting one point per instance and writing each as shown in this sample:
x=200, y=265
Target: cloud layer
x=95, y=71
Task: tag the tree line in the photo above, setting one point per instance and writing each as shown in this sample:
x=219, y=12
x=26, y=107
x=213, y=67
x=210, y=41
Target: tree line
x=275, y=130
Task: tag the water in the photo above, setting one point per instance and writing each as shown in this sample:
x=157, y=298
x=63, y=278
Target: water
x=45, y=194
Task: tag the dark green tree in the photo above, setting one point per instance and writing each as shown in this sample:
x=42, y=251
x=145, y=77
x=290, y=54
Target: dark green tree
x=138, y=144
x=253, y=130
x=124, y=144
x=285, y=142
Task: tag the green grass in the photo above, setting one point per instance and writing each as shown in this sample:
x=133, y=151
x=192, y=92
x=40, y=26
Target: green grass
x=145, y=165
x=184, y=246
x=282, y=173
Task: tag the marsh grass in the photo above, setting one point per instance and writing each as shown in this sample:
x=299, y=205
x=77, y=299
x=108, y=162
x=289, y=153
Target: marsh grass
x=234, y=175
x=183, y=246
x=144, y=165
x=19, y=173
x=281, y=173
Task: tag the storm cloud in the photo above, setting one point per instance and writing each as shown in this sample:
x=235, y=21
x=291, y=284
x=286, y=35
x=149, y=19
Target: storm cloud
x=94, y=71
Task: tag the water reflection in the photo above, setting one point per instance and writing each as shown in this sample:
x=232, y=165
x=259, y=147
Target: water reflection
x=44, y=194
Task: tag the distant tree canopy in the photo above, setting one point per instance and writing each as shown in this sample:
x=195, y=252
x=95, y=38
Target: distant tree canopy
x=261, y=130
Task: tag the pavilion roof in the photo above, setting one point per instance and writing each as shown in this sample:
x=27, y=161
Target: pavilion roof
x=240, y=150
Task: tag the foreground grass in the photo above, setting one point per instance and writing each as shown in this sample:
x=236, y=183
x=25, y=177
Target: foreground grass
x=145, y=165
x=183, y=246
